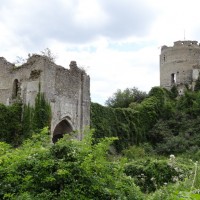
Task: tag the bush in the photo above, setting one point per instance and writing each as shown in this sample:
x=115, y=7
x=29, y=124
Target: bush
x=10, y=124
x=187, y=189
x=134, y=152
x=152, y=174
x=69, y=169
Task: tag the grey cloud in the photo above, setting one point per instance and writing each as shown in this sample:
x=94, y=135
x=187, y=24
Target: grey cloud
x=128, y=18
x=52, y=20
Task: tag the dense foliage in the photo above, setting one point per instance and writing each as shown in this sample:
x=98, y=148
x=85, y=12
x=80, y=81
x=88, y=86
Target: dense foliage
x=131, y=125
x=18, y=122
x=179, y=133
x=37, y=117
x=122, y=99
x=170, y=123
x=10, y=124
x=118, y=122
x=162, y=124
x=70, y=169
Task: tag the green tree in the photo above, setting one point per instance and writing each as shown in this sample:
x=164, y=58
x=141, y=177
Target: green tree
x=122, y=99
x=10, y=124
x=42, y=112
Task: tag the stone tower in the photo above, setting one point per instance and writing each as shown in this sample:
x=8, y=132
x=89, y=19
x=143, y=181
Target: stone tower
x=180, y=65
x=67, y=91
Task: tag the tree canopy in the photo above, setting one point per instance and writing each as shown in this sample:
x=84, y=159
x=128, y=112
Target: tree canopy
x=123, y=98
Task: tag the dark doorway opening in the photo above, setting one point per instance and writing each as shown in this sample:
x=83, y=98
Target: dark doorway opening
x=62, y=128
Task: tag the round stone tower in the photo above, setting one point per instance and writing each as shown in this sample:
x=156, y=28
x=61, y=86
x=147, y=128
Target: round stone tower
x=180, y=64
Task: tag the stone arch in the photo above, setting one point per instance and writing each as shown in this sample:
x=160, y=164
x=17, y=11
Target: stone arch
x=15, y=90
x=63, y=127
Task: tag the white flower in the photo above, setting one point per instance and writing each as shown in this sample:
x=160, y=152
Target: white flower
x=172, y=156
x=152, y=179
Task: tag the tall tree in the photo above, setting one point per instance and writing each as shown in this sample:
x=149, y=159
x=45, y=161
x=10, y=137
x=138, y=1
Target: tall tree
x=122, y=99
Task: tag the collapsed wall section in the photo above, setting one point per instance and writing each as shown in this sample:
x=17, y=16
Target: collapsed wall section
x=67, y=91
x=72, y=98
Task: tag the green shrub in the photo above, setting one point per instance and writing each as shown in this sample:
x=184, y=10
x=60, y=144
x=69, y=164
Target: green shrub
x=152, y=174
x=132, y=125
x=10, y=124
x=187, y=189
x=69, y=169
x=134, y=152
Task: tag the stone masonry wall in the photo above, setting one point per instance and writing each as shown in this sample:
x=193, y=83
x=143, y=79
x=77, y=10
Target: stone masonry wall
x=67, y=90
x=177, y=63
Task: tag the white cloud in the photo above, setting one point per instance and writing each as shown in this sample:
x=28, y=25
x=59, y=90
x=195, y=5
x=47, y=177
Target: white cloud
x=116, y=41
x=86, y=17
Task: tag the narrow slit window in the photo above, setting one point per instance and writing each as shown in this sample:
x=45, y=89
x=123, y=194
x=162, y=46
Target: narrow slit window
x=15, y=88
x=173, y=78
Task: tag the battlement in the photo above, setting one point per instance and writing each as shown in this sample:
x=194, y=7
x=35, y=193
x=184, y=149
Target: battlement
x=182, y=43
x=186, y=43
x=179, y=64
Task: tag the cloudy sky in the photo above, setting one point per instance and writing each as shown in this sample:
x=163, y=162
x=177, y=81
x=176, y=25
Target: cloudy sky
x=117, y=41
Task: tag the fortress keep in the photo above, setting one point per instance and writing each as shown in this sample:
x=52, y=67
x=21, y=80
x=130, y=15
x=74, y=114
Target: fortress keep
x=180, y=65
x=67, y=91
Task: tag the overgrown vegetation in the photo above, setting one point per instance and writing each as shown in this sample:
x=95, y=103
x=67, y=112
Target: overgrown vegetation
x=157, y=140
x=18, y=122
x=37, y=117
x=122, y=99
x=131, y=125
x=70, y=169
x=169, y=123
x=10, y=124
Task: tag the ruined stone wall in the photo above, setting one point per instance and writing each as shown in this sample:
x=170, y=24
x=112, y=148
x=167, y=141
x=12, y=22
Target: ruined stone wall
x=5, y=82
x=30, y=75
x=72, y=99
x=67, y=90
x=177, y=63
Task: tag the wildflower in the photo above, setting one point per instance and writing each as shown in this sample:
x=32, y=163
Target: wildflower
x=172, y=157
x=152, y=179
x=174, y=178
x=176, y=169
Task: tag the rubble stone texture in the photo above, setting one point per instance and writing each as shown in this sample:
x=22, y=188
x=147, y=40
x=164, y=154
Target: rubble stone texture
x=180, y=65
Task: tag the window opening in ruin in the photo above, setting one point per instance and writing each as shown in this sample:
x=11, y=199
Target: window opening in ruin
x=173, y=78
x=62, y=128
x=15, y=88
x=164, y=58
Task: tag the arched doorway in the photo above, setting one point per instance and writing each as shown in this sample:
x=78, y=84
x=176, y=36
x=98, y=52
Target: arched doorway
x=62, y=128
x=15, y=89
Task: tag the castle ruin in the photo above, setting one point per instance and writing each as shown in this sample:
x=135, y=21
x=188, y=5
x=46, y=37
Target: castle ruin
x=67, y=91
x=180, y=65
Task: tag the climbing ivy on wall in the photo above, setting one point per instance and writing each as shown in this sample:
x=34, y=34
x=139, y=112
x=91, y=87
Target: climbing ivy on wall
x=130, y=125
x=121, y=123
x=18, y=122
x=10, y=124
x=37, y=117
